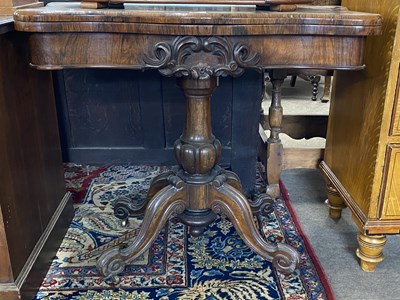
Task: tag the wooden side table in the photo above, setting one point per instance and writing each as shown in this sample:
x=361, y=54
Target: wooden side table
x=198, y=45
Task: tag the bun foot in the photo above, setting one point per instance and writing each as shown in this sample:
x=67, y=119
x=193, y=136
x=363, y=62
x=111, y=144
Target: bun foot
x=370, y=251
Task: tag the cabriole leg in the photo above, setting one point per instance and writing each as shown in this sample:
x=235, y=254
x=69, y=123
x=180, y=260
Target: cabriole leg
x=229, y=201
x=167, y=201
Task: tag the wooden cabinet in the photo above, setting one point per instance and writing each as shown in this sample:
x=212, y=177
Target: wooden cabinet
x=35, y=210
x=362, y=155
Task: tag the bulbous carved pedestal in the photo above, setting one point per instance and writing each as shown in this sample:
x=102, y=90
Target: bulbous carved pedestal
x=198, y=188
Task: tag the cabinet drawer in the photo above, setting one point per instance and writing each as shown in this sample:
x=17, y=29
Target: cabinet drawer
x=391, y=184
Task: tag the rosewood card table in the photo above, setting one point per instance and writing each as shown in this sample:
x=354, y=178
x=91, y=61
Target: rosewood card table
x=198, y=44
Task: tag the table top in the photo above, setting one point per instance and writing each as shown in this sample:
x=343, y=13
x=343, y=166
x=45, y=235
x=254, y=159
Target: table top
x=172, y=38
x=198, y=20
x=226, y=2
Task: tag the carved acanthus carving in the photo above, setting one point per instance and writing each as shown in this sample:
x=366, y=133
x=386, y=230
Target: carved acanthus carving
x=201, y=57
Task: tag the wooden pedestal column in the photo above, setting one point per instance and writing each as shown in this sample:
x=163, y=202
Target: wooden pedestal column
x=197, y=190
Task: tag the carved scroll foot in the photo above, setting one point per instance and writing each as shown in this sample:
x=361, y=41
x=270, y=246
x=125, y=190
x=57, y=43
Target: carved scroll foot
x=126, y=207
x=370, y=250
x=233, y=204
x=167, y=201
x=262, y=205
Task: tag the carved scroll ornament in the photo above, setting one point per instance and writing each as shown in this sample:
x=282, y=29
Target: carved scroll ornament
x=201, y=57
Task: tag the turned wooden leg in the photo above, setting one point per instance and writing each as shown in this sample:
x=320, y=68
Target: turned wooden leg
x=370, y=250
x=335, y=202
x=315, y=84
x=167, y=201
x=229, y=201
x=274, y=144
x=327, y=89
x=293, y=80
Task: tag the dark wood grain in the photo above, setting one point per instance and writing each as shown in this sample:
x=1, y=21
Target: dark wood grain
x=273, y=5
x=319, y=19
x=182, y=42
x=230, y=2
x=81, y=46
x=32, y=183
x=329, y=32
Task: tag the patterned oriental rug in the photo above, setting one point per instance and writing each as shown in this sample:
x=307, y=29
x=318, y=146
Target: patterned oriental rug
x=216, y=265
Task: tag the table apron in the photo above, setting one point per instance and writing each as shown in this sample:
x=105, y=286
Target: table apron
x=121, y=50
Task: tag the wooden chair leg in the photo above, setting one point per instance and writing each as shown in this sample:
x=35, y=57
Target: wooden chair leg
x=274, y=143
x=327, y=89
x=293, y=80
x=315, y=84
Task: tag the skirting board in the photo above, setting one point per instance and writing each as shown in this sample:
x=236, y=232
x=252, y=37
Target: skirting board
x=37, y=264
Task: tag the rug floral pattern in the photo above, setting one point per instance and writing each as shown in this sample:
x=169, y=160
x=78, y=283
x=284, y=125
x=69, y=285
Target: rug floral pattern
x=216, y=265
